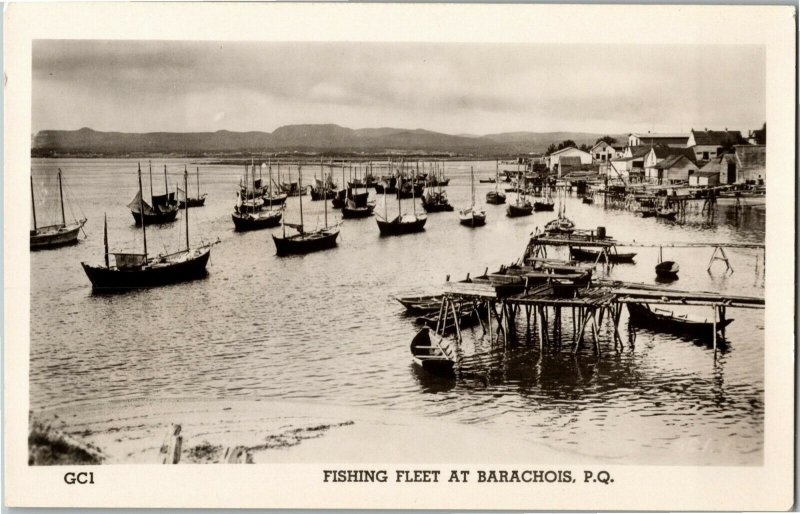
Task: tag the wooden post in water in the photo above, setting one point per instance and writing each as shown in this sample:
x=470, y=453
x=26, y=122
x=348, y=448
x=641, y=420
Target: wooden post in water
x=105, y=238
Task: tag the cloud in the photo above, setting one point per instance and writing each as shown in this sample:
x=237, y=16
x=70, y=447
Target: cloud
x=190, y=86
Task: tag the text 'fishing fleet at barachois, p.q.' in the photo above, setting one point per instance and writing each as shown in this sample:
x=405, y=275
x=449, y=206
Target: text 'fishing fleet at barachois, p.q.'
x=522, y=476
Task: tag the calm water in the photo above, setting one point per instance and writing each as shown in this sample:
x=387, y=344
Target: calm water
x=324, y=327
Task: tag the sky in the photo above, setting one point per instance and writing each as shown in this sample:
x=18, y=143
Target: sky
x=199, y=86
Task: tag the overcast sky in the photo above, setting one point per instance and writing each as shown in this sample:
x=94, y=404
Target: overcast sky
x=135, y=86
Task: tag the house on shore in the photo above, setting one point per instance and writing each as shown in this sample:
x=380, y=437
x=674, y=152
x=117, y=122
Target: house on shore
x=673, y=140
x=553, y=158
x=568, y=163
x=708, y=144
x=675, y=169
x=747, y=164
x=704, y=178
x=604, y=152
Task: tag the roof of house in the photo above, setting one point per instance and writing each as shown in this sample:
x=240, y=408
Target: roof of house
x=716, y=137
x=751, y=156
x=719, y=163
x=569, y=160
x=568, y=148
x=660, y=135
x=671, y=161
x=600, y=143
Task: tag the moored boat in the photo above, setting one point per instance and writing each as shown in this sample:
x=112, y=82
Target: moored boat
x=60, y=234
x=429, y=353
x=496, y=197
x=185, y=201
x=667, y=269
x=666, y=320
x=472, y=216
x=163, y=210
x=582, y=254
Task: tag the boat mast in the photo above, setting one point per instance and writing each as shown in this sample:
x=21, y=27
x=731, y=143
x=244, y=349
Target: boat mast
x=472, y=180
x=496, y=174
x=253, y=173
x=186, y=211
x=141, y=213
x=166, y=187
x=198, y=182
x=61, y=195
x=413, y=198
x=269, y=165
x=300, y=196
x=150, y=164
x=400, y=190
x=33, y=204
x=105, y=237
x=324, y=191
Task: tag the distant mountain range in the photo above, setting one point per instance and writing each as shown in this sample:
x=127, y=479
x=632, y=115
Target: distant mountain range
x=327, y=138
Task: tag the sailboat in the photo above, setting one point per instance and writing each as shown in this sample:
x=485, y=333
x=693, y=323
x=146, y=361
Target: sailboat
x=403, y=223
x=435, y=200
x=184, y=200
x=132, y=270
x=306, y=242
x=471, y=216
x=249, y=214
x=522, y=207
x=163, y=210
x=60, y=234
x=496, y=197
x=323, y=188
x=545, y=202
x=356, y=205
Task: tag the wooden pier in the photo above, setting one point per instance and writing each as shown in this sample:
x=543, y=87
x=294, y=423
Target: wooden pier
x=544, y=305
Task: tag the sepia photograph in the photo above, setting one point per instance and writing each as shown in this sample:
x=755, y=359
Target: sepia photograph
x=385, y=258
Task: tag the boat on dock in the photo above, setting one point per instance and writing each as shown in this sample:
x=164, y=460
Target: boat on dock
x=660, y=319
x=163, y=210
x=430, y=354
x=59, y=234
x=306, y=242
x=584, y=254
x=137, y=270
x=185, y=201
x=472, y=216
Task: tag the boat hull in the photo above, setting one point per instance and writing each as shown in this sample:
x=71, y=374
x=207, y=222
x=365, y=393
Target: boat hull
x=357, y=212
x=155, y=218
x=110, y=279
x=305, y=243
x=396, y=228
x=429, y=355
x=667, y=269
x=63, y=236
x=579, y=254
x=192, y=202
x=515, y=211
x=642, y=315
x=495, y=198
x=472, y=219
x=245, y=222
x=543, y=206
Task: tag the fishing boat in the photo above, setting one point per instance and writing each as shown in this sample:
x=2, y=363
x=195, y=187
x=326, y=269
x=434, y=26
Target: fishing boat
x=583, y=254
x=434, y=199
x=560, y=225
x=496, y=197
x=402, y=223
x=306, y=242
x=163, y=210
x=429, y=353
x=545, y=202
x=420, y=304
x=472, y=216
x=667, y=213
x=588, y=199
x=667, y=269
x=59, y=234
x=135, y=270
x=184, y=200
x=249, y=213
x=668, y=321
x=324, y=188
x=351, y=210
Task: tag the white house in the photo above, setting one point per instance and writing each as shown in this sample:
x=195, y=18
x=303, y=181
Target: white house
x=708, y=144
x=704, y=178
x=553, y=158
x=662, y=139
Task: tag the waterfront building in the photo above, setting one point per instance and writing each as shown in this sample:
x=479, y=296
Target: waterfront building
x=708, y=144
x=674, y=140
x=553, y=158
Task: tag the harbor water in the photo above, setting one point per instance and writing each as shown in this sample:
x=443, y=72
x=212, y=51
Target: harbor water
x=324, y=328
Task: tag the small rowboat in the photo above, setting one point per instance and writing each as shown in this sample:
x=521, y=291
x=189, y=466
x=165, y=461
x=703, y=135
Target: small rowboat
x=667, y=269
x=420, y=304
x=668, y=321
x=486, y=180
x=430, y=355
x=581, y=254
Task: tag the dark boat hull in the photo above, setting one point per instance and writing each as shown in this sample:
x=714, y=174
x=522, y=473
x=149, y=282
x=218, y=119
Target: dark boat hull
x=437, y=207
x=421, y=304
x=472, y=220
x=580, y=254
x=543, y=206
x=667, y=269
x=642, y=315
x=515, y=211
x=244, y=223
x=110, y=279
x=155, y=218
x=588, y=200
x=430, y=356
x=495, y=198
x=279, y=199
x=357, y=212
x=192, y=202
x=396, y=228
x=63, y=236
x=305, y=243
